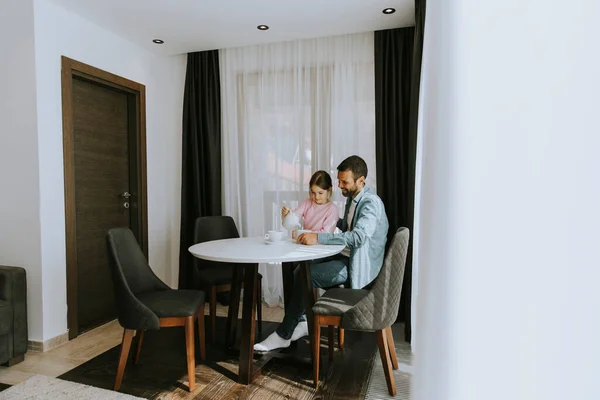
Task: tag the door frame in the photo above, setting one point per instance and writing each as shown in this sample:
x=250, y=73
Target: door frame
x=70, y=69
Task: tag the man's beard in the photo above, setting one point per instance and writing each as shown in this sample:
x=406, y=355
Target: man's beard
x=348, y=192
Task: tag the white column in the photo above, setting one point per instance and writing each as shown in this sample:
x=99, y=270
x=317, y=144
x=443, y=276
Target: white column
x=19, y=166
x=509, y=210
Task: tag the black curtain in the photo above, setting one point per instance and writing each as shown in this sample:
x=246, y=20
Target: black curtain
x=201, y=154
x=398, y=54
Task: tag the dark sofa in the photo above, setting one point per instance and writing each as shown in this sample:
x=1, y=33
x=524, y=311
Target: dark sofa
x=13, y=315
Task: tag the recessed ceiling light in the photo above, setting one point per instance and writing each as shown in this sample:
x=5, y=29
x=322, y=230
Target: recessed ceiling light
x=158, y=41
x=389, y=10
x=262, y=27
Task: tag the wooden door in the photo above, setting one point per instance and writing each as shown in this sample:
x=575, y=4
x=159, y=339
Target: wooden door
x=101, y=160
x=104, y=185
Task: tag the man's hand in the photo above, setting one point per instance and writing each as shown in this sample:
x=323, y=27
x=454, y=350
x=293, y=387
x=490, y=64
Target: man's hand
x=308, y=238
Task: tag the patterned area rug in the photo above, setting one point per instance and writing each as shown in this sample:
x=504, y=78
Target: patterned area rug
x=40, y=387
x=162, y=373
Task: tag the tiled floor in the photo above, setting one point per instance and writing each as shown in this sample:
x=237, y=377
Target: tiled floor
x=85, y=347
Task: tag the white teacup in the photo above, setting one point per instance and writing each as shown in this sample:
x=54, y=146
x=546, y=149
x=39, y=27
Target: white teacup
x=299, y=232
x=274, y=236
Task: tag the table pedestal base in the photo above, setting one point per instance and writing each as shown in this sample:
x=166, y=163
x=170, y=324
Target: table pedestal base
x=249, y=368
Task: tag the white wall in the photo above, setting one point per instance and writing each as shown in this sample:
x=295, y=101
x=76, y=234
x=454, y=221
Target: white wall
x=19, y=170
x=508, y=304
x=36, y=215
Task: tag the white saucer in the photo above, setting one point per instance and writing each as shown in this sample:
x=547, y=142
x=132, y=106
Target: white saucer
x=277, y=242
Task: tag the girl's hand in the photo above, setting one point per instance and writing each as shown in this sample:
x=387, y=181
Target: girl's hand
x=285, y=211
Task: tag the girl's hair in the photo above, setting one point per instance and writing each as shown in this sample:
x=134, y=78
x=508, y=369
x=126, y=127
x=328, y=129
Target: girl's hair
x=322, y=179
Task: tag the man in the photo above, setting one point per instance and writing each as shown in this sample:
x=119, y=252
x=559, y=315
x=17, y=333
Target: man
x=364, y=233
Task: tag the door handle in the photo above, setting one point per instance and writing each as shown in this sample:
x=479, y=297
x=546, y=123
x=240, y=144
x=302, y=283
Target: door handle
x=125, y=195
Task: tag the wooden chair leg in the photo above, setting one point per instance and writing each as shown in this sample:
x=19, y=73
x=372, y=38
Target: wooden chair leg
x=259, y=305
x=189, y=348
x=330, y=342
x=125, y=346
x=140, y=340
x=316, y=343
x=391, y=346
x=340, y=337
x=213, y=314
x=384, y=352
x=202, y=334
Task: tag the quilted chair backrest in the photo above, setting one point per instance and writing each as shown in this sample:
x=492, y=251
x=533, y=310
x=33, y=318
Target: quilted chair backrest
x=379, y=308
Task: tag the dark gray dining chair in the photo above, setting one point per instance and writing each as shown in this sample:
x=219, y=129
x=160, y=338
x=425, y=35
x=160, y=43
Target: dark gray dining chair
x=370, y=310
x=216, y=277
x=144, y=302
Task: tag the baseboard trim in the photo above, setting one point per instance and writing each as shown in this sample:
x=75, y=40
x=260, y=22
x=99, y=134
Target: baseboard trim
x=42, y=347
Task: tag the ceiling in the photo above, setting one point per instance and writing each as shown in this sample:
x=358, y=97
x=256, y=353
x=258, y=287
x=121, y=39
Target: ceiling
x=194, y=25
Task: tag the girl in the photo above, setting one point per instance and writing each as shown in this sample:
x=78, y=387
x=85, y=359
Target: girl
x=319, y=213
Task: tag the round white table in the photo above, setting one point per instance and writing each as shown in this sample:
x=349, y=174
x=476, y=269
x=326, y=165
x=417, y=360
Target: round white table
x=257, y=250
x=248, y=253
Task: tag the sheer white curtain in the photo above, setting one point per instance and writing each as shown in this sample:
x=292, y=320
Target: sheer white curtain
x=289, y=109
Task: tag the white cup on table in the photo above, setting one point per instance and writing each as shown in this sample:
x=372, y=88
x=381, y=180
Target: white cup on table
x=274, y=236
